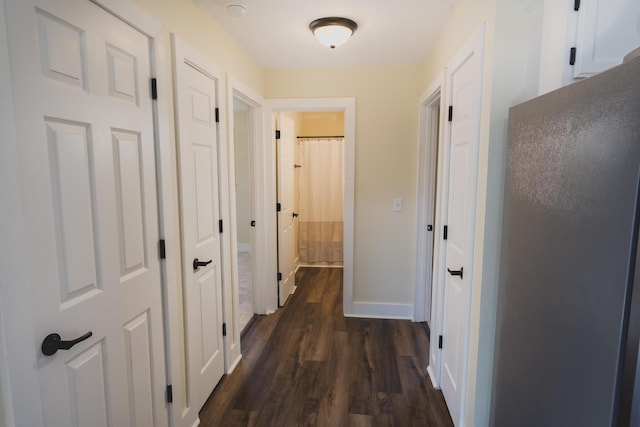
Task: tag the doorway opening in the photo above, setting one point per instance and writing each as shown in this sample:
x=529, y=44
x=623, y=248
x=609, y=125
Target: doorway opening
x=266, y=158
x=310, y=193
x=242, y=133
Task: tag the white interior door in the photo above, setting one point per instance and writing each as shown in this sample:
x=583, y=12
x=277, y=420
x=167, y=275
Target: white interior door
x=286, y=234
x=201, y=243
x=463, y=83
x=85, y=125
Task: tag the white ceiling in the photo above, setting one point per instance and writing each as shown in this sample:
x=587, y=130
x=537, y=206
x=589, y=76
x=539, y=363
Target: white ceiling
x=390, y=32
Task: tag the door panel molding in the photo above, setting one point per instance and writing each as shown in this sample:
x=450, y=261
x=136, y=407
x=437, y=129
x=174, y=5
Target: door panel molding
x=187, y=60
x=471, y=53
x=21, y=400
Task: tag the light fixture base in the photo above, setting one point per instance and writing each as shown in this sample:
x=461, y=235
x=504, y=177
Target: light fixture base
x=333, y=31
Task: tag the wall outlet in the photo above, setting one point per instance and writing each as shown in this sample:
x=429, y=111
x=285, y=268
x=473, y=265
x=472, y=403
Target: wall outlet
x=397, y=205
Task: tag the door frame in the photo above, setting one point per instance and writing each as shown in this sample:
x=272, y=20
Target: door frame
x=267, y=160
x=184, y=52
x=473, y=46
x=20, y=394
x=237, y=89
x=430, y=148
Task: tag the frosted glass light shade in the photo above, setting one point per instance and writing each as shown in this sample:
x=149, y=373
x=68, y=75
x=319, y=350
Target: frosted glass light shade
x=333, y=32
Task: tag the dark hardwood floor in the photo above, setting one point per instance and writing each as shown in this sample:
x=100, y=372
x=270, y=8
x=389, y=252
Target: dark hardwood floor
x=309, y=365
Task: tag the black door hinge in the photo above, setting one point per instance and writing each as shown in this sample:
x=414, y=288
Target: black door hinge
x=439, y=341
x=253, y=222
x=278, y=207
x=154, y=88
x=445, y=232
x=576, y=5
x=162, y=249
x=217, y=112
x=277, y=134
x=169, y=393
x=429, y=227
x=279, y=276
x=220, y=226
x=572, y=56
x=450, y=113
x=224, y=329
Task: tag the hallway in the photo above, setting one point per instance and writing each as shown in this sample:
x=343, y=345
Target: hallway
x=309, y=365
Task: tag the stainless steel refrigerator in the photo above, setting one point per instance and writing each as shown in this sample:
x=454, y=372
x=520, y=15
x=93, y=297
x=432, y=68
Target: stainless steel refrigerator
x=568, y=320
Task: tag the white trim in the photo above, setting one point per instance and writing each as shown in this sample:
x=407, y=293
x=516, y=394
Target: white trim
x=236, y=89
x=18, y=356
x=381, y=311
x=244, y=247
x=431, y=109
x=234, y=363
x=268, y=160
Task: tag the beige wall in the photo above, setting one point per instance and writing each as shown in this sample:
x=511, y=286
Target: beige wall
x=322, y=124
x=386, y=152
x=195, y=25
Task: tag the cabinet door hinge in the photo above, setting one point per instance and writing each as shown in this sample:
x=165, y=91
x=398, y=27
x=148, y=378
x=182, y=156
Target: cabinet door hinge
x=224, y=329
x=220, y=228
x=439, y=341
x=278, y=207
x=162, y=249
x=279, y=277
x=445, y=232
x=277, y=134
x=450, y=113
x=572, y=56
x=154, y=88
x=576, y=5
x=217, y=112
x=169, y=393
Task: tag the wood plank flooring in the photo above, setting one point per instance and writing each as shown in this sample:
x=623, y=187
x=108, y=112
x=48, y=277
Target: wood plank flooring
x=308, y=365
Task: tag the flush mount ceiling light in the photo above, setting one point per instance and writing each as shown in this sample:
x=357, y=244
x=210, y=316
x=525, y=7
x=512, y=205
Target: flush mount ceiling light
x=236, y=9
x=333, y=31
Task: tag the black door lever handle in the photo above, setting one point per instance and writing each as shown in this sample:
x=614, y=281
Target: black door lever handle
x=456, y=272
x=52, y=343
x=197, y=263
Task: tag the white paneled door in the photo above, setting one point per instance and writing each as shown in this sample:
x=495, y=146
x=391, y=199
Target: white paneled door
x=200, y=208
x=286, y=234
x=84, y=119
x=463, y=91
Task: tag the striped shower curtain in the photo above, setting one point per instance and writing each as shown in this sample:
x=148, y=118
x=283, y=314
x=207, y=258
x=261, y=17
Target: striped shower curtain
x=321, y=201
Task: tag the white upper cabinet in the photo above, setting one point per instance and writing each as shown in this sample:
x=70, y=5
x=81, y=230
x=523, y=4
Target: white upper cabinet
x=606, y=31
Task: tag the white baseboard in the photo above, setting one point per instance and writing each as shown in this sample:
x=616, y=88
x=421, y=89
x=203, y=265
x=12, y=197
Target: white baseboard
x=234, y=364
x=244, y=247
x=432, y=377
x=380, y=311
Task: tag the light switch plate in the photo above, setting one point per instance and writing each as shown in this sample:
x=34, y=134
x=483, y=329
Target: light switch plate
x=397, y=205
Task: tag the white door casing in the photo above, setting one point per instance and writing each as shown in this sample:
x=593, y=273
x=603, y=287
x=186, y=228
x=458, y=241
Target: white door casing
x=432, y=112
x=286, y=234
x=198, y=137
x=265, y=162
x=84, y=117
x=236, y=89
x=463, y=90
